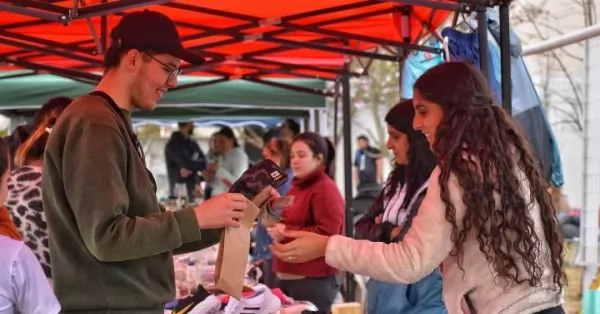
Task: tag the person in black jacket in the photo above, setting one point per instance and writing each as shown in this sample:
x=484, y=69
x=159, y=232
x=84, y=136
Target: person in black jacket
x=184, y=159
x=391, y=215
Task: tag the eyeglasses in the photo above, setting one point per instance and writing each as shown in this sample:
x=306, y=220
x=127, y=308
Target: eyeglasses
x=173, y=72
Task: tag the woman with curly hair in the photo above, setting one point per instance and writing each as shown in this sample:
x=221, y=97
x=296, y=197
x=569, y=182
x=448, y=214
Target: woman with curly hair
x=487, y=217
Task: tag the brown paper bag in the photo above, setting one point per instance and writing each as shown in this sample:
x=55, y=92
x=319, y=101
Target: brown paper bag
x=232, y=260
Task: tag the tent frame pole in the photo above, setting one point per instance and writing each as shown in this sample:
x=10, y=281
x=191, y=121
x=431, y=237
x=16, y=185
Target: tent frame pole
x=312, y=91
x=43, y=14
x=107, y=8
x=505, y=57
x=336, y=109
x=348, y=184
x=482, y=32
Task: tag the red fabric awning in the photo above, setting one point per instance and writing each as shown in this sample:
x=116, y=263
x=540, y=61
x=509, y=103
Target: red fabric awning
x=238, y=34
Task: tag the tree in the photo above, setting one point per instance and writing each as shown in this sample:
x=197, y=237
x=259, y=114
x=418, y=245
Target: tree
x=336, y=118
x=372, y=95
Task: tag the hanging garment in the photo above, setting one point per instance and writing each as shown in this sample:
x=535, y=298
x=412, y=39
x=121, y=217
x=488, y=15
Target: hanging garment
x=465, y=47
x=416, y=64
x=493, y=18
x=527, y=108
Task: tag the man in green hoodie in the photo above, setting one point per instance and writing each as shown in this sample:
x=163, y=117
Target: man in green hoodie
x=111, y=243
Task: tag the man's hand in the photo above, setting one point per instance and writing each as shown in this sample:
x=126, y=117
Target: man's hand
x=224, y=210
x=184, y=172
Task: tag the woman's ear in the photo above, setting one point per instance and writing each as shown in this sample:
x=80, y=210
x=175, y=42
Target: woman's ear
x=320, y=158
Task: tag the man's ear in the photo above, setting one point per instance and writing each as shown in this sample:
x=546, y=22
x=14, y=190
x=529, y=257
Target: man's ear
x=132, y=59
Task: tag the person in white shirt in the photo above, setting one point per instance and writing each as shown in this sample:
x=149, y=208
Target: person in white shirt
x=229, y=166
x=23, y=285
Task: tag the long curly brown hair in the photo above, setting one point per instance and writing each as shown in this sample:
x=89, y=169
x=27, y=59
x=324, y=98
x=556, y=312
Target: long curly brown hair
x=473, y=126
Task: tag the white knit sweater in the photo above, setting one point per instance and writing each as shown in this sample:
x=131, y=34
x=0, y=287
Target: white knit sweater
x=427, y=244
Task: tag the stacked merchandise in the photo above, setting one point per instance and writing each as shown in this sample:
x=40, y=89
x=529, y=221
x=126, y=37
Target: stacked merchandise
x=198, y=269
x=195, y=271
x=259, y=299
x=217, y=279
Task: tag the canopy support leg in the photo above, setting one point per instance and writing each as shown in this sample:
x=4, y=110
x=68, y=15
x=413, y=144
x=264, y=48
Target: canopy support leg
x=336, y=110
x=406, y=31
x=347, y=137
x=482, y=32
x=505, y=58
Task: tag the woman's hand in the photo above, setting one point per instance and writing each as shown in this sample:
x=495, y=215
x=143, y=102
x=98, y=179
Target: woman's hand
x=305, y=246
x=379, y=219
x=395, y=232
x=276, y=232
x=274, y=194
x=213, y=166
x=208, y=175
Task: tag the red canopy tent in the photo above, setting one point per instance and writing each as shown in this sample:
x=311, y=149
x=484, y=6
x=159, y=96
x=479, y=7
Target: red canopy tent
x=250, y=40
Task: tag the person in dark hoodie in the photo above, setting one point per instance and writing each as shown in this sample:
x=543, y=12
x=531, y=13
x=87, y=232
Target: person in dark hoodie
x=184, y=159
x=22, y=132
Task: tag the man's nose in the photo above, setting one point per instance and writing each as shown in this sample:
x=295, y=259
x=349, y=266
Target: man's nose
x=172, y=82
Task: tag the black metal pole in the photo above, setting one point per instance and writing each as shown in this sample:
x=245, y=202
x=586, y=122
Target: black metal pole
x=347, y=137
x=400, y=76
x=405, y=27
x=104, y=31
x=482, y=31
x=336, y=111
x=505, y=58
x=400, y=89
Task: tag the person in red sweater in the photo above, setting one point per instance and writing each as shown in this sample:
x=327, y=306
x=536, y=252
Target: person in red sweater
x=318, y=207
